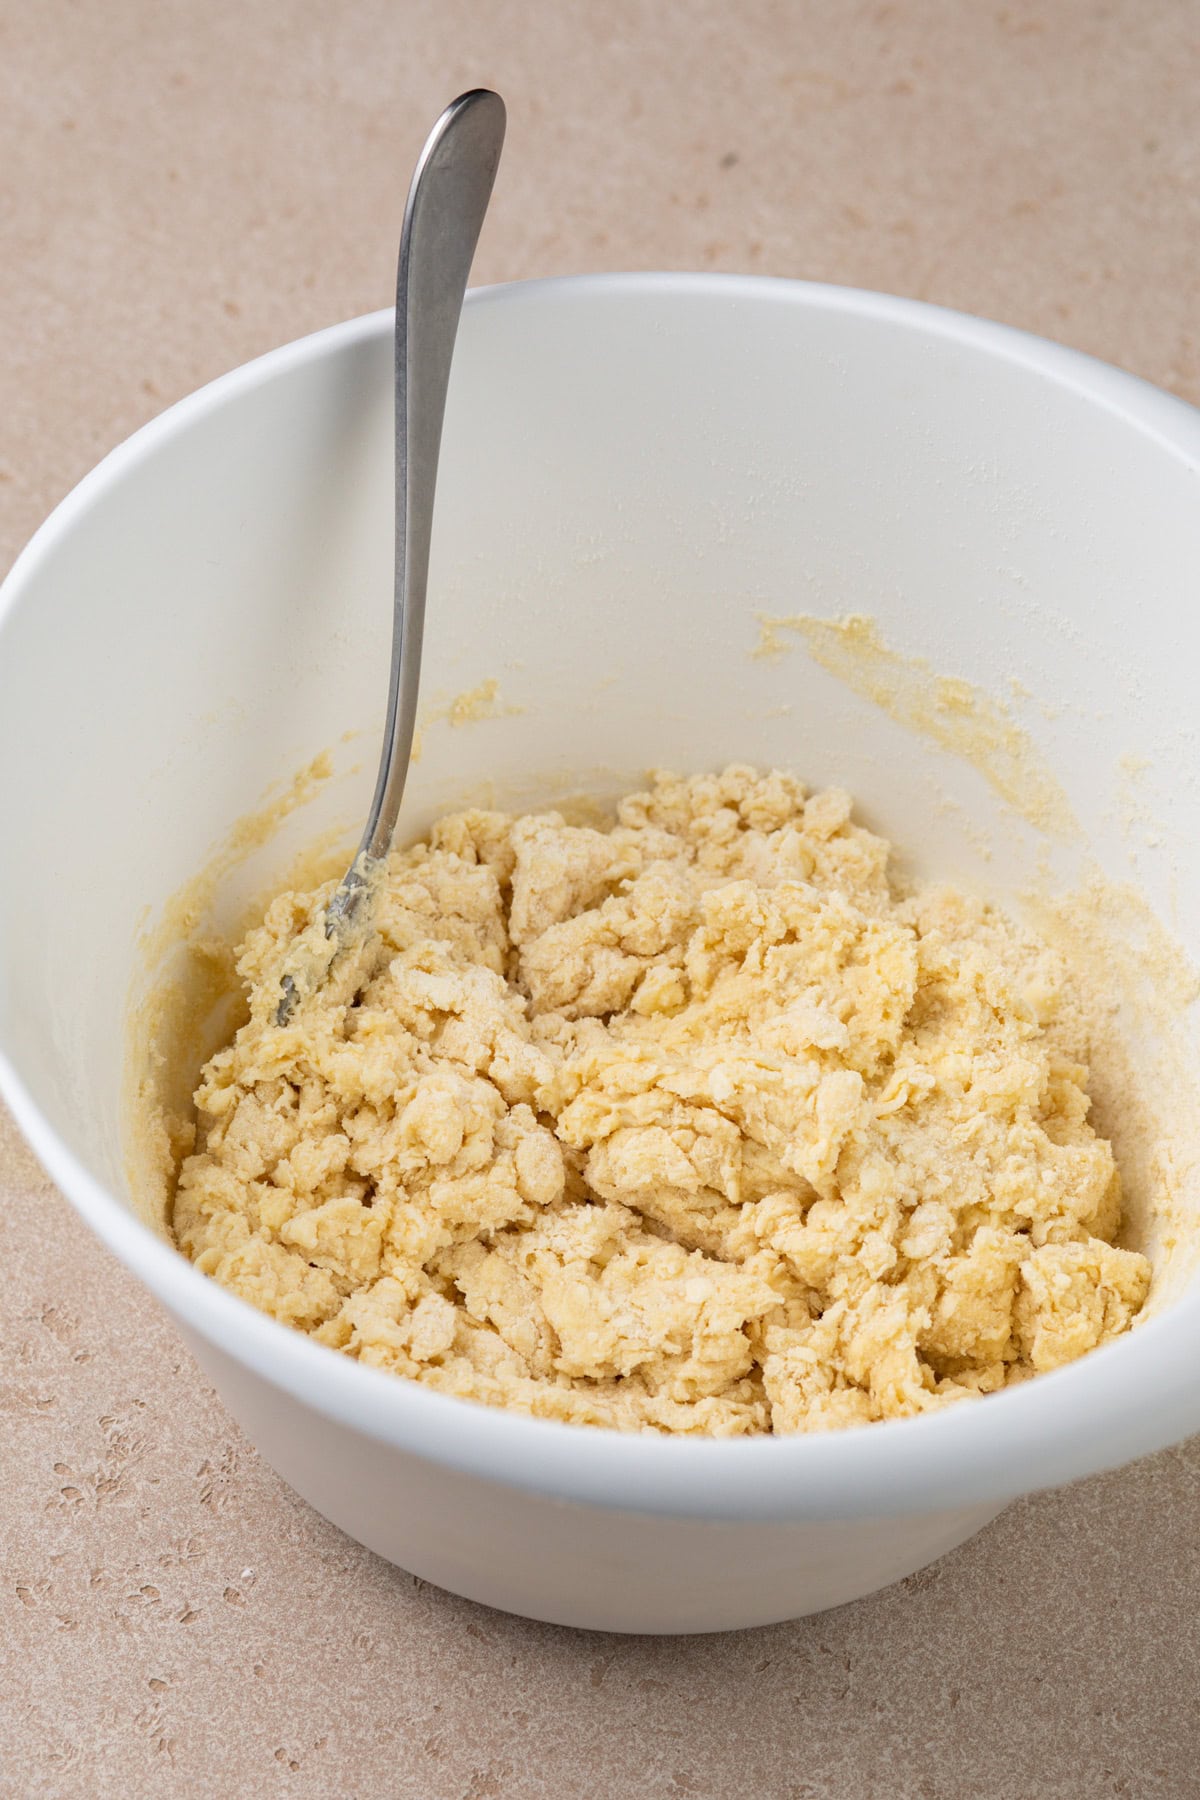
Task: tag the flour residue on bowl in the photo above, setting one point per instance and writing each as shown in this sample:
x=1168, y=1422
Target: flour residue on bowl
x=1139, y=989
x=956, y=715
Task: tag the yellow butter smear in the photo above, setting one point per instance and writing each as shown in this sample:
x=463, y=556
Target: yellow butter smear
x=472, y=707
x=696, y=1122
x=961, y=718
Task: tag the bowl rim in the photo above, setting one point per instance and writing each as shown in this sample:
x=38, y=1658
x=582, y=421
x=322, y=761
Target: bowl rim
x=1131, y=1397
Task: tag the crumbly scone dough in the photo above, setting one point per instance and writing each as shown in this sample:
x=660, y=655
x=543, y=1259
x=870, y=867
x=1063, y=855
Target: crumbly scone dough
x=695, y=1124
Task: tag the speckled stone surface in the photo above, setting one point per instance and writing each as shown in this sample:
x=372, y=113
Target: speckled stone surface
x=185, y=186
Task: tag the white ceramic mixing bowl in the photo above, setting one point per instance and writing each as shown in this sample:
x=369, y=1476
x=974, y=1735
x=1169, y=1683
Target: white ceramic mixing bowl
x=634, y=468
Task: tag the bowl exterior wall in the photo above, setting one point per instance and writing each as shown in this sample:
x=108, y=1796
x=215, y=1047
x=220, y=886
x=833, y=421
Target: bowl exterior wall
x=591, y=1567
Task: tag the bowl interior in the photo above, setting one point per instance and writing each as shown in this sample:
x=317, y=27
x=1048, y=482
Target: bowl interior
x=643, y=481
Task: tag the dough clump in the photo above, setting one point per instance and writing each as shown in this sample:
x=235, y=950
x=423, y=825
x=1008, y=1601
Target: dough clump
x=696, y=1124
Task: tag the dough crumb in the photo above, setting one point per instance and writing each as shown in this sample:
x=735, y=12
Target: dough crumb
x=693, y=1124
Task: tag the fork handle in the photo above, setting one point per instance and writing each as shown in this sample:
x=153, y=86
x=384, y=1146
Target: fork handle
x=451, y=186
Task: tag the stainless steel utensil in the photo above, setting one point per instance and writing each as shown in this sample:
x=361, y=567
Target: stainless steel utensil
x=447, y=200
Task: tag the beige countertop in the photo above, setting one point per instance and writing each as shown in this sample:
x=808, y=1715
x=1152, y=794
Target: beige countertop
x=185, y=186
